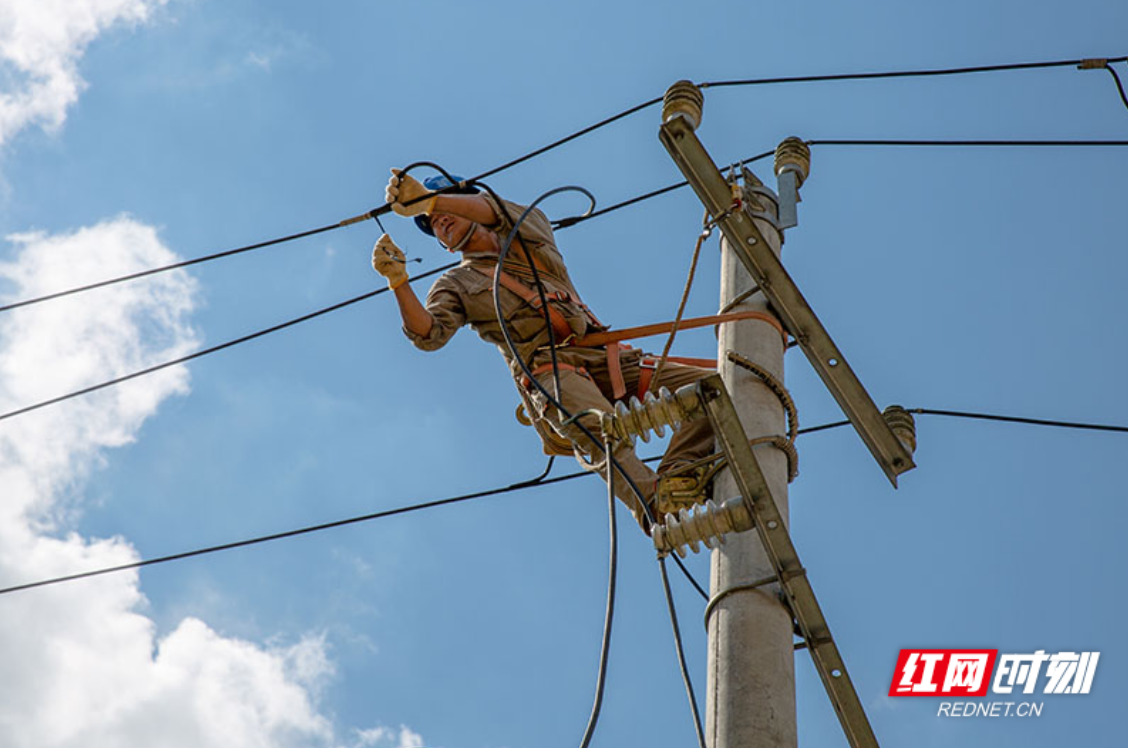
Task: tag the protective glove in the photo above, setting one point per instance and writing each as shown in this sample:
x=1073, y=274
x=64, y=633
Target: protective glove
x=404, y=188
x=388, y=261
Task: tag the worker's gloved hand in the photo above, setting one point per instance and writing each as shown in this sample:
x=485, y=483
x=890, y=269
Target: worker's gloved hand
x=403, y=188
x=388, y=261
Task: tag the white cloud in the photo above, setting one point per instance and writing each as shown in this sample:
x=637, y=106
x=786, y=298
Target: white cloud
x=41, y=42
x=385, y=737
x=83, y=666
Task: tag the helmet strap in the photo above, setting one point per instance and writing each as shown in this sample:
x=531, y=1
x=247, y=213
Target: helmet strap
x=465, y=238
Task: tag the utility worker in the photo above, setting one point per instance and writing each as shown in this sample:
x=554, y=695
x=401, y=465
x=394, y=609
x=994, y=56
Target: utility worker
x=474, y=224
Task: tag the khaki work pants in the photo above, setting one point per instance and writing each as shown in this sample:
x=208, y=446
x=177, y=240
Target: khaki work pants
x=591, y=388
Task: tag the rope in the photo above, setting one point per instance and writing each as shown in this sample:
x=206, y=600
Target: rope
x=786, y=444
x=657, y=379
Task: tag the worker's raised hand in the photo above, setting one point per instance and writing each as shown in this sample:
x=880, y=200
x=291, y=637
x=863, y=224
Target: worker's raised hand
x=404, y=188
x=388, y=261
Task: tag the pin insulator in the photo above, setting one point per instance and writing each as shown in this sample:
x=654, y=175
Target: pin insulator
x=706, y=524
x=903, y=426
x=793, y=155
x=683, y=99
x=655, y=411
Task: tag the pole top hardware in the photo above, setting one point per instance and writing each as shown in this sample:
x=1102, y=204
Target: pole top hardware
x=683, y=99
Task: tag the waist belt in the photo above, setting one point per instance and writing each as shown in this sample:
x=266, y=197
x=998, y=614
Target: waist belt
x=612, y=340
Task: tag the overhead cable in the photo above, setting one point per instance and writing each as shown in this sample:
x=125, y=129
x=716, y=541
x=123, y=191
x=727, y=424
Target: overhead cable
x=1018, y=419
x=564, y=223
x=541, y=480
x=1119, y=87
x=375, y=213
x=210, y=350
x=609, y=614
x=521, y=485
x=919, y=73
x=922, y=143
x=166, y=268
x=681, y=654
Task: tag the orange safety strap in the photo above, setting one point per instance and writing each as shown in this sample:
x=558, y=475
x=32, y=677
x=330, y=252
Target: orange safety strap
x=603, y=338
x=514, y=264
x=560, y=326
x=615, y=371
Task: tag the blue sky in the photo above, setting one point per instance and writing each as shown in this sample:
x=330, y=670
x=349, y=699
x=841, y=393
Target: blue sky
x=136, y=131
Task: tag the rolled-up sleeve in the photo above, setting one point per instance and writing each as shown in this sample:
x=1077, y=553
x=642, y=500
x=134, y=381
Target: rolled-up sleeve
x=446, y=308
x=536, y=226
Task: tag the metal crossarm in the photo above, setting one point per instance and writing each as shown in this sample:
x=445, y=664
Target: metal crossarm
x=768, y=272
x=789, y=571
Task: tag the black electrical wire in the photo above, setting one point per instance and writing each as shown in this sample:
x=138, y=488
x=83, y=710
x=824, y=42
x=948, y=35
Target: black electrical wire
x=212, y=349
x=609, y=459
x=1119, y=87
x=540, y=480
x=563, y=223
x=789, y=79
x=568, y=138
x=1018, y=419
x=166, y=268
x=970, y=143
x=565, y=414
x=537, y=482
x=573, y=220
x=681, y=654
x=375, y=213
x=700, y=590
x=541, y=296
x=924, y=73
x=823, y=427
x=609, y=615
x=612, y=465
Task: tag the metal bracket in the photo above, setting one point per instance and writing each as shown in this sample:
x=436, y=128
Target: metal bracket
x=789, y=570
x=767, y=271
x=788, y=181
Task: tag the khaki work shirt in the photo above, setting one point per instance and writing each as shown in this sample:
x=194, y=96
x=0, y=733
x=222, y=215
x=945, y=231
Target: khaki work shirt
x=464, y=296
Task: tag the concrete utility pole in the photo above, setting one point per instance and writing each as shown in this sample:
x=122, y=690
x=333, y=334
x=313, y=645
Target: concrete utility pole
x=750, y=697
x=751, y=677
x=751, y=688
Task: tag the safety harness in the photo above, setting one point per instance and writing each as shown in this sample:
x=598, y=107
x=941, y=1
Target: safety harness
x=612, y=341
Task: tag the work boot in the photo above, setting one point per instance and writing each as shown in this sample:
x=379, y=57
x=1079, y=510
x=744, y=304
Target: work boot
x=681, y=487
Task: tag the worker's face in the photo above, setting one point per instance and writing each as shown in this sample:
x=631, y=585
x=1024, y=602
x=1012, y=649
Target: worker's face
x=450, y=229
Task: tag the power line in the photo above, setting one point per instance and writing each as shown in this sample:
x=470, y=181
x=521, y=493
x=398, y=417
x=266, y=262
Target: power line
x=166, y=268
x=1119, y=87
x=518, y=486
x=1019, y=419
x=921, y=143
x=796, y=79
x=920, y=73
x=564, y=223
x=972, y=143
x=987, y=417
x=376, y=212
x=212, y=349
